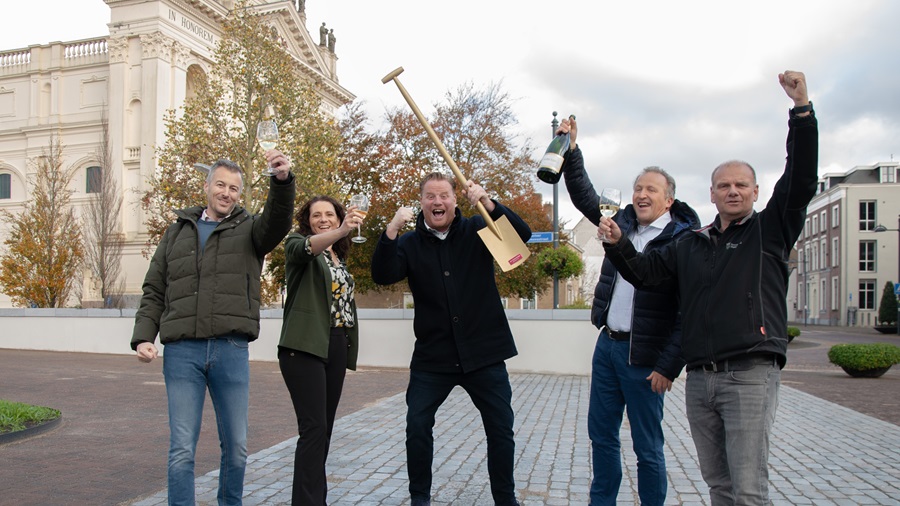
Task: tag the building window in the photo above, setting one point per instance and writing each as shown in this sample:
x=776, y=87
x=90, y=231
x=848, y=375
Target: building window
x=823, y=252
x=867, y=215
x=5, y=186
x=815, y=225
x=529, y=303
x=504, y=301
x=834, y=294
x=822, y=295
x=806, y=229
x=823, y=216
x=835, y=254
x=814, y=258
x=867, y=256
x=888, y=174
x=835, y=216
x=94, y=182
x=867, y=294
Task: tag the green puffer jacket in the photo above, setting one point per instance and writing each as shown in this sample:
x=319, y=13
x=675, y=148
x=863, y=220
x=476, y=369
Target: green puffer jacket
x=187, y=296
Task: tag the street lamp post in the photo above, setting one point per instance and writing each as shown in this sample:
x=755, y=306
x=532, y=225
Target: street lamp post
x=882, y=228
x=553, y=126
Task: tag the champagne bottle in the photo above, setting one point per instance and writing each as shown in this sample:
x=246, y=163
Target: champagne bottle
x=550, y=168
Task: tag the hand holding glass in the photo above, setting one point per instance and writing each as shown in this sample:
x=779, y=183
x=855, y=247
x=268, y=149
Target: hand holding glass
x=267, y=136
x=361, y=203
x=610, y=199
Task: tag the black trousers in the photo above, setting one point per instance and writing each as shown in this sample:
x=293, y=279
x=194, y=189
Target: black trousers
x=315, y=385
x=491, y=393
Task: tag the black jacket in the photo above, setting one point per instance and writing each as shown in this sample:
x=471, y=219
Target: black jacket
x=655, y=326
x=460, y=324
x=733, y=286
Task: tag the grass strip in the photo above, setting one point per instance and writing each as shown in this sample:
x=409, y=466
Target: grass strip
x=16, y=416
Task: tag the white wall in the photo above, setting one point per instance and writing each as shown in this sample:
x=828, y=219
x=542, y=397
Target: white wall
x=557, y=342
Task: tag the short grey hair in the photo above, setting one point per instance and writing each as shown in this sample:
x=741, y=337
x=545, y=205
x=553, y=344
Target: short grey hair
x=670, y=181
x=730, y=163
x=228, y=165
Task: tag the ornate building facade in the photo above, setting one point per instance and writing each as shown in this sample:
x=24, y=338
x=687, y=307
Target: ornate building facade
x=126, y=82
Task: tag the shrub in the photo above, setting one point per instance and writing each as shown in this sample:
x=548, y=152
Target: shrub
x=793, y=332
x=887, y=310
x=862, y=357
x=578, y=304
x=564, y=261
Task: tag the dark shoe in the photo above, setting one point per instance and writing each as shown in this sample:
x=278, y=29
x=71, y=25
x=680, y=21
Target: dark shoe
x=421, y=502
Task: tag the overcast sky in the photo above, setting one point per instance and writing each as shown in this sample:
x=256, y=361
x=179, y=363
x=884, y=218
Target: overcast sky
x=683, y=85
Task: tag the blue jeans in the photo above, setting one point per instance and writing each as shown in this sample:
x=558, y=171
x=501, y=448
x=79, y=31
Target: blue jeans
x=190, y=366
x=617, y=387
x=491, y=393
x=731, y=415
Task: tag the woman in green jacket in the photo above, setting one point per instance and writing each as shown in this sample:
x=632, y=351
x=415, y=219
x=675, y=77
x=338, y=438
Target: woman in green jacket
x=319, y=336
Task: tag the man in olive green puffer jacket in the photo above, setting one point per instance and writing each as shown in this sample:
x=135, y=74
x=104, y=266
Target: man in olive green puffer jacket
x=202, y=296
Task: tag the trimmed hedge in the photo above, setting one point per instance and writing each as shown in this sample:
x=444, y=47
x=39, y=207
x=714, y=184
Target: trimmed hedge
x=862, y=357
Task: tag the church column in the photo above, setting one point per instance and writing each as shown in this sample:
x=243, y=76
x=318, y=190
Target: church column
x=115, y=115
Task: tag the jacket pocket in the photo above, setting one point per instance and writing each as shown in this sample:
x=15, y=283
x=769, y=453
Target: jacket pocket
x=249, y=297
x=750, y=316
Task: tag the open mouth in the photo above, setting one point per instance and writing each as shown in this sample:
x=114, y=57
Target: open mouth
x=438, y=213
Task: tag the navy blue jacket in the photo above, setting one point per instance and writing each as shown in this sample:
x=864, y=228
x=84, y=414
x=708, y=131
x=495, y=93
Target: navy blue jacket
x=460, y=323
x=733, y=284
x=655, y=324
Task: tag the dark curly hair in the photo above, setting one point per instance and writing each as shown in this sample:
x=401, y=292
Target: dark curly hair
x=342, y=246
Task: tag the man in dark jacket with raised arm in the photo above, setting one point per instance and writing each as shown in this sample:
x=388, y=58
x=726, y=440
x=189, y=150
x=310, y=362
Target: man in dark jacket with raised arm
x=732, y=278
x=638, y=352
x=202, y=296
x=462, y=335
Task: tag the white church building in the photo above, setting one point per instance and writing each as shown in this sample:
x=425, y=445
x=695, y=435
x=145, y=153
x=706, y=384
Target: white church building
x=146, y=65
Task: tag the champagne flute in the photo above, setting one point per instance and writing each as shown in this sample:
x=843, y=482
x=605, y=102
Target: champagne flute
x=267, y=136
x=361, y=202
x=610, y=199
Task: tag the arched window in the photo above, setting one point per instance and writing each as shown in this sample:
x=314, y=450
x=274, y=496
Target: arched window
x=94, y=180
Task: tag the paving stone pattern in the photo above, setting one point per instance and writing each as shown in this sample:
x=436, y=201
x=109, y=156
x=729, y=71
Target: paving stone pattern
x=822, y=454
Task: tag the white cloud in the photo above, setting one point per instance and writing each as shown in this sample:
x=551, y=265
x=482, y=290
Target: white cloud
x=683, y=85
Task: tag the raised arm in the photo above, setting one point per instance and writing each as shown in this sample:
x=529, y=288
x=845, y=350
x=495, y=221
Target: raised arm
x=389, y=261
x=797, y=185
x=275, y=222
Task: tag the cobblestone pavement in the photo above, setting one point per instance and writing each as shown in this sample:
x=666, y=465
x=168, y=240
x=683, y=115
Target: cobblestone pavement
x=822, y=454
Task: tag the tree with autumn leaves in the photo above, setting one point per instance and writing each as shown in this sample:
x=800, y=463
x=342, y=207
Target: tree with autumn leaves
x=338, y=157
x=44, y=248
x=252, y=71
x=477, y=126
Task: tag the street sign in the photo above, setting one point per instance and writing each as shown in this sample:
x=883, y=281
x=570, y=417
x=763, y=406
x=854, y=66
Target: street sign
x=896, y=288
x=541, y=237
